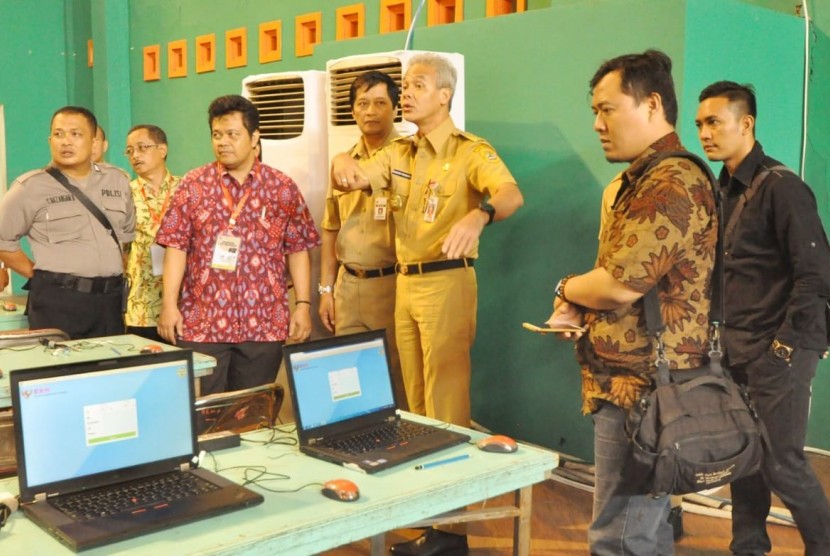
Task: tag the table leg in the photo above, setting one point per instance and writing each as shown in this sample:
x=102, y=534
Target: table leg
x=521, y=523
x=378, y=543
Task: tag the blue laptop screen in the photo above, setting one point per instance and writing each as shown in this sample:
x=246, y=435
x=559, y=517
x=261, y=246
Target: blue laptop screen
x=339, y=383
x=82, y=424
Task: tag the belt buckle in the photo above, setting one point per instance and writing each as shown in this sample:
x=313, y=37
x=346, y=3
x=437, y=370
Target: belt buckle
x=402, y=268
x=360, y=273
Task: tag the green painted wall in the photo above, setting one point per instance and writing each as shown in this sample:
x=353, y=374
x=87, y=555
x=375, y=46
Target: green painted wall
x=527, y=92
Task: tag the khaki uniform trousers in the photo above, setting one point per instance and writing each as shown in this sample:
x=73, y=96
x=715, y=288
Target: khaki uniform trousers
x=435, y=317
x=362, y=304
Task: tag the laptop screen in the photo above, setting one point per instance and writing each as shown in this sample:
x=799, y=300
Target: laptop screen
x=335, y=383
x=123, y=413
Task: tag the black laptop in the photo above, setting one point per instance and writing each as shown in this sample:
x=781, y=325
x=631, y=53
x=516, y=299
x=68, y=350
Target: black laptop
x=107, y=450
x=345, y=405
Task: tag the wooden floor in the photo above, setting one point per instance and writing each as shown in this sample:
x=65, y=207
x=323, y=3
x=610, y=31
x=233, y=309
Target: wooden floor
x=561, y=515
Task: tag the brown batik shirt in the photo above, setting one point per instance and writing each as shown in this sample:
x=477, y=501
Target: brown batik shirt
x=662, y=232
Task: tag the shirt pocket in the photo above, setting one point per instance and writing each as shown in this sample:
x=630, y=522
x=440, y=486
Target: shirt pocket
x=116, y=212
x=270, y=228
x=66, y=222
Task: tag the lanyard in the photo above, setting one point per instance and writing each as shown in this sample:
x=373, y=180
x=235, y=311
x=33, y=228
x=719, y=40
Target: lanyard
x=229, y=202
x=155, y=216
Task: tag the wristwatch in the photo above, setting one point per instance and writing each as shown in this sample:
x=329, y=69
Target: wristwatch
x=321, y=289
x=781, y=351
x=560, y=288
x=489, y=209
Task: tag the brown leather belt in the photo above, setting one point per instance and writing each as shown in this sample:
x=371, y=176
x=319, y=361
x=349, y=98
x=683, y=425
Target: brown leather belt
x=434, y=266
x=98, y=284
x=372, y=273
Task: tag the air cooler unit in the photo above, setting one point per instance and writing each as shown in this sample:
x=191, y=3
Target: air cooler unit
x=342, y=129
x=292, y=125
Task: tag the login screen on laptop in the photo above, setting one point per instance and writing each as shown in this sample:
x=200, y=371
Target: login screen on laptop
x=78, y=425
x=339, y=383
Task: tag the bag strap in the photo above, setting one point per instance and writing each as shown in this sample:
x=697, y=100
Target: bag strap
x=744, y=199
x=651, y=303
x=87, y=202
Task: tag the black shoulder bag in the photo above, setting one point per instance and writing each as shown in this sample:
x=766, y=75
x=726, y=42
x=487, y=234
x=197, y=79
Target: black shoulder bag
x=696, y=429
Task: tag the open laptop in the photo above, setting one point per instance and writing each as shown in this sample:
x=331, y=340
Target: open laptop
x=345, y=405
x=87, y=431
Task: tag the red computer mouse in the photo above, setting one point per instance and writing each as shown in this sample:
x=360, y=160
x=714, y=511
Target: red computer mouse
x=498, y=443
x=341, y=489
x=152, y=348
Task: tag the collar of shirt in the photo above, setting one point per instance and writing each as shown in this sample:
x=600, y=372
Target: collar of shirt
x=436, y=138
x=746, y=169
x=632, y=174
x=237, y=189
x=361, y=152
x=166, y=183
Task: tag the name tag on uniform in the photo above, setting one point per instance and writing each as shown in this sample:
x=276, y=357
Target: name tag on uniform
x=226, y=252
x=381, y=204
x=157, y=257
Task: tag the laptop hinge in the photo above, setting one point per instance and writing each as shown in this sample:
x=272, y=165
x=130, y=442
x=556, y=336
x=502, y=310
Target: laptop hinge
x=313, y=441
x=40, y=497
x=392, y=418
x=184, y=466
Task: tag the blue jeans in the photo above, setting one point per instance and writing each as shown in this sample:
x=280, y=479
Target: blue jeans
x=781, y=394
x=627, y=520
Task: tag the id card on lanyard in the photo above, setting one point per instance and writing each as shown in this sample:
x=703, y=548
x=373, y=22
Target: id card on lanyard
x=226, y=250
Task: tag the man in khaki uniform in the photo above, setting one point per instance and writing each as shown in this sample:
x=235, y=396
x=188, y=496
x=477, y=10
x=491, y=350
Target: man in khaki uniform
x=357, y=277
x=438, y=180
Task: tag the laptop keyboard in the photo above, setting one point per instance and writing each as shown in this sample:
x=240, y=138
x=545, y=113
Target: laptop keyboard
x=134, y=497
x=389, y=436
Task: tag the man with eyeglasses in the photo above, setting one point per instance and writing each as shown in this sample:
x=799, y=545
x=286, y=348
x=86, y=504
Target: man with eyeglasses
x=231, y=226
x=76, y=280
x=152, y=190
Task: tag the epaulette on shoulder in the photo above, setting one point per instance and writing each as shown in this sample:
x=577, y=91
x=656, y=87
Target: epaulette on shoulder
x=469, y=136
x=107, y=167
x=30, y=174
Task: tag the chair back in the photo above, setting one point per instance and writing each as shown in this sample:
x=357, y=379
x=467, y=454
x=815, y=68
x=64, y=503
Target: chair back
x=29, y=336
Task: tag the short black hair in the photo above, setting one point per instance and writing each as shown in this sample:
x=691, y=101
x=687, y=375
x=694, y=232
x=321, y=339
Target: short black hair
x=642, y=75
x=228, y=104
x=369, y=80
x=155, y=132
x=80, y=110
x=735, y=93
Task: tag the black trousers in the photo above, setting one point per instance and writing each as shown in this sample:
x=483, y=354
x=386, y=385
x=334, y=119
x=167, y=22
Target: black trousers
x=781, y=394
x=81, y=315
x=238, y=366
x=149, y=332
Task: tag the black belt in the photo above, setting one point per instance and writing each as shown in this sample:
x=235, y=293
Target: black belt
x=434, y=266
x=373, y=273
x=98, y=284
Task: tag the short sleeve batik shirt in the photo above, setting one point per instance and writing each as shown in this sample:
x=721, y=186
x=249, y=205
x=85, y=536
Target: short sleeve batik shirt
x=248, y=304
x=662, y=232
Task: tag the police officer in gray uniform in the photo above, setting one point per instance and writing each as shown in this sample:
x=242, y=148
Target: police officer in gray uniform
x=76, y=281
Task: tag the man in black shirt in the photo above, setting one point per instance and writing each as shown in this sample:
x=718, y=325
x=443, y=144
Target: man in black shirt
x=777, y=273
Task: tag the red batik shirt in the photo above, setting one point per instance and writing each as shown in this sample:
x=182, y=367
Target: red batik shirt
x=250, y=303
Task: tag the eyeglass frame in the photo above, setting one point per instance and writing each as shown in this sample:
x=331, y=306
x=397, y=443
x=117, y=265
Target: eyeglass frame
x=140, y=148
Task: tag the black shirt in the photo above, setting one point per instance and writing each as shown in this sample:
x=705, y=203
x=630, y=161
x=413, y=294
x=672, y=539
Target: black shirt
x=777, y=264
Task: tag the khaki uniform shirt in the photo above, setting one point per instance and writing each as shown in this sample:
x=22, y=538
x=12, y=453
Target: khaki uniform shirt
x=366, y=237
x=144, y=303
x=63, y=234
x=439, y=177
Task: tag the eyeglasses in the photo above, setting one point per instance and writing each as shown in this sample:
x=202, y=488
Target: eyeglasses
x=140, y=148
